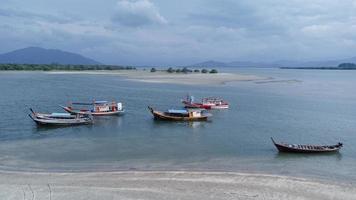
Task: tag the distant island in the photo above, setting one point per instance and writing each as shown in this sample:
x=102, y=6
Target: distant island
x=40, y=59
x=38, y=55
x=342, y=66
x=275, y=64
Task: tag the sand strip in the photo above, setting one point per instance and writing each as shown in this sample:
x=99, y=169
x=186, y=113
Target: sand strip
x=166, y=185
x=173, y=78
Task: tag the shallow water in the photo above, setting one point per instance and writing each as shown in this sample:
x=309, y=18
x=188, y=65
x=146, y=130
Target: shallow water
x=297, y=106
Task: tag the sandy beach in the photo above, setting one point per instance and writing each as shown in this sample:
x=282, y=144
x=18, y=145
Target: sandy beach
x=166, y=185
x=173, y=78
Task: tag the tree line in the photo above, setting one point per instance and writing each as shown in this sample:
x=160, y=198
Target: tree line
x=187, y=70
x=50, y=67
x=347, y=66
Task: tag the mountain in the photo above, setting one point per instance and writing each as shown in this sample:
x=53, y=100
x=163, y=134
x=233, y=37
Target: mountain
x=210, y=63
x=37, y=55
x=280, y=63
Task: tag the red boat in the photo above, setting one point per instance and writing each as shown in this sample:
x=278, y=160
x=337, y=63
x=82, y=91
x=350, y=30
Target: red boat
x=206, y=103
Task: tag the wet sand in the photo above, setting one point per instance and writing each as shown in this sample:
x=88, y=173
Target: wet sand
x=166, y=185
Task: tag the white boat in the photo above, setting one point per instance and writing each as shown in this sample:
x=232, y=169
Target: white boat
x=61, y=119
x=96, y=108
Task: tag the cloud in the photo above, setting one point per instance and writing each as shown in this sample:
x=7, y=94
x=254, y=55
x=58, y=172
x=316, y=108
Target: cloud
x=15, y=13
x=227, y=30
x=137, y=13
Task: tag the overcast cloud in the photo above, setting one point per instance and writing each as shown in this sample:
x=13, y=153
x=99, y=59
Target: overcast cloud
x=160, y=32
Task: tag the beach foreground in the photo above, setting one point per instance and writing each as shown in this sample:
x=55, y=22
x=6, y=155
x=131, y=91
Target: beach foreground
x=165, y=185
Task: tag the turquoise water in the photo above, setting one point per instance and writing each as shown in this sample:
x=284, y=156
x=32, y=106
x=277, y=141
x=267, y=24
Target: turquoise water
x=297, y=106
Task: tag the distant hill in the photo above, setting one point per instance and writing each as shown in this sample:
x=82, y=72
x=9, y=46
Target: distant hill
x=37, y=55
x=210, y=63
x=280, y=63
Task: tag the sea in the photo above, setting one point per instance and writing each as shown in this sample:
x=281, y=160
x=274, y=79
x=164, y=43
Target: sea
x=293, y=106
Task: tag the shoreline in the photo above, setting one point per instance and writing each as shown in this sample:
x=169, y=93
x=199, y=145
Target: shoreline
x=166, y=185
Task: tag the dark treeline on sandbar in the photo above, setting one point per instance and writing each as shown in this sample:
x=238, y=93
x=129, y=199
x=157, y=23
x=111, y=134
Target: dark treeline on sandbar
x=342, y=66
x=50, y=67
x=186, y=70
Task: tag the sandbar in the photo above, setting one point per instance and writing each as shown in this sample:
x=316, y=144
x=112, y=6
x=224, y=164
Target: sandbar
x=172, y=78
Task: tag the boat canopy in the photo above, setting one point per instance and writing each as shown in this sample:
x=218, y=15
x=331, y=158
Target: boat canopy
x=212, y=99
x=101, y=102
x=81, y=103
x=178, y=111
x=89, y=104
x=61, y=114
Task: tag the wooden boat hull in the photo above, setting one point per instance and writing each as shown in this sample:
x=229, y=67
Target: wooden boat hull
x=109, y=113
x=61, y=122
x=307, y=148
x=162, y=116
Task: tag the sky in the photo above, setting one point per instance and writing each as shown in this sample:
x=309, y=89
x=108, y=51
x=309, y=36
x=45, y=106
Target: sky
x=183, y=32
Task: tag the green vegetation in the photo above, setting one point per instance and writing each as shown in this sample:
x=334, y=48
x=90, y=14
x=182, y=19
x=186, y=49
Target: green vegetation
x=204, y=71
x=213, y=71
x=186, y=70
x=342, y=66
x=347, y=66
x=170, y=70
x=50, y=67
x=59, y=67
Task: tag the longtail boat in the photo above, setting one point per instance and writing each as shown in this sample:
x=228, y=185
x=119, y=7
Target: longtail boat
x=181, y=115
x=98, y=108
x=300, y=148
x=206, y=103
x=61, y=119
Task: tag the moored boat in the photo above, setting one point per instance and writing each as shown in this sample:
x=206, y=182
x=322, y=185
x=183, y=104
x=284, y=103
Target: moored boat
x=300, y=148
x=206, y=103
x=181, y=115
x=98, y=108
x=61, y=119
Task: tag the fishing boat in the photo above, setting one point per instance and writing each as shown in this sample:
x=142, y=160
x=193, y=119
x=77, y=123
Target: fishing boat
x=96, y=108
x=181, y=115
x=300, y=148
x=61, y=119
x=206, y=103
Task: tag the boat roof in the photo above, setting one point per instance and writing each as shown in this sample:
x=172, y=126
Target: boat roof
x=60, y=114
x=178, y=111
x=100, y=102
x=90, y=103
x=213, y=98
x=196, y=109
